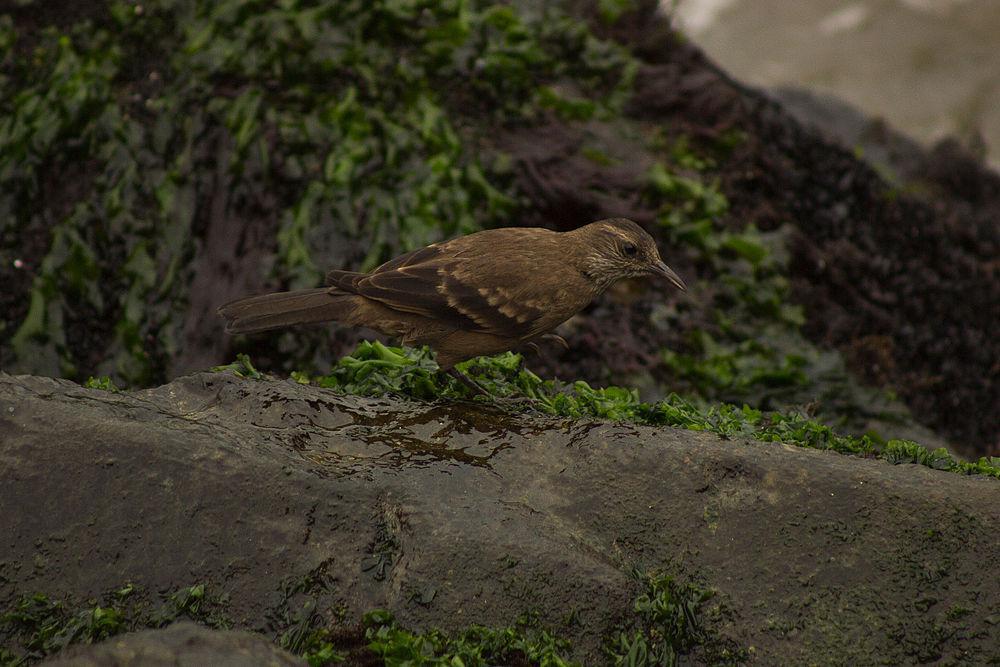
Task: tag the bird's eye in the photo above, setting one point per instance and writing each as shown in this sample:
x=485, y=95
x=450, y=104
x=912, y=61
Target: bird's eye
x=629, y=249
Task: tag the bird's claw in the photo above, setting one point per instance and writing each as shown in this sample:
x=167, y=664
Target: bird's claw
x=548, y=338
x=557, y=338
x=468, y=382
x=478, y=390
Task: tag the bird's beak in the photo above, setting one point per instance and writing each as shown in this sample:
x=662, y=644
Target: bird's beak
x=662, y=269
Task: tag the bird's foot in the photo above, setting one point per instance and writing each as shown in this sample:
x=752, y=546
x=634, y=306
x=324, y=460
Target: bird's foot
x=549, y=337
x=478, y=390
x=469, y=383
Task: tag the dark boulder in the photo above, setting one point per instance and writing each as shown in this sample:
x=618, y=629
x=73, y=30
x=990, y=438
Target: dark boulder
x=268, y=492
x=183, y=644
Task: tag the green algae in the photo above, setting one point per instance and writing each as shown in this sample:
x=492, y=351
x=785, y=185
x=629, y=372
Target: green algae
x=46, y=627
x=103, y=383
x=37, y=626
x=375, y=369
x=351, y=124
x=750, y=348
x=670, y=620
x=522, y=643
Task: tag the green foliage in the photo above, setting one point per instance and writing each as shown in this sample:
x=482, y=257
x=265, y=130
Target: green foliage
x=534, y=56
x=670, y=624
x=195, y=604
x=242, y=367
x=319, y=653
x=375, y=369
x=478, y=645
x=307, y=637
x=47, y=627
x=752, y=350
x=734, y=370
x=684, y=156
x=612, y=10
x=103, y=383
x=41, y=627
x=906, y=451
x=693, y=205
x=125, y=136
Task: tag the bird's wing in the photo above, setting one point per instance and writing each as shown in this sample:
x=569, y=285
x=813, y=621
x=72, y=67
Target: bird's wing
x=341, y=279
x=441, y=282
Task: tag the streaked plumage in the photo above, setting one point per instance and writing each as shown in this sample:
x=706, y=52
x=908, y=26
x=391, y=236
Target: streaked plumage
x=474, y=295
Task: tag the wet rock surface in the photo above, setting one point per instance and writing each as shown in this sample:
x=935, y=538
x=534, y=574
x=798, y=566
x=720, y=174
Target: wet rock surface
x=183, y=643
x=268, y=492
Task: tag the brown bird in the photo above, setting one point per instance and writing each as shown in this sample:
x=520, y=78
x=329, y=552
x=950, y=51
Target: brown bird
x=475, y=295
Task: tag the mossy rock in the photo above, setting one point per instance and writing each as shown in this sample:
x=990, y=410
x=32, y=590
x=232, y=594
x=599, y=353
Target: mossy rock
x=274, y=494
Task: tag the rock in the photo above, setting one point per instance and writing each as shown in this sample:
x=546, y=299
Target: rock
x=451, y=514
x=183, y=644
x=897, y=157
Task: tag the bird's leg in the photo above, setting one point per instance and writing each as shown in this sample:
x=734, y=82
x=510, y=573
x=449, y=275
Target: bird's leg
x=477, y=390
x=549, y=337
x=557, y=338
x=471, y=384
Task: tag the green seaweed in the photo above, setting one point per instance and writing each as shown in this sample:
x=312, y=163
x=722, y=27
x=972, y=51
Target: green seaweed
x=352, y=124
x=40, y=626
x=752, y=350
x=374, y=369
x=611, y=11
x=194, y=603
x=692, y=205
x=47, y=627
x=307, y=637
x=671, y=622
x=104, y=383
x=522, y=643
x=242, y=367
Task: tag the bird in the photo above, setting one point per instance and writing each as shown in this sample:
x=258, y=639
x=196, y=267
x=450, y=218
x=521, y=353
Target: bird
x=475, y=295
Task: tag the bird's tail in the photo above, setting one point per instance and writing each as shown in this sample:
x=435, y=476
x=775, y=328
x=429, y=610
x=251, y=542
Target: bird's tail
x=285, y=309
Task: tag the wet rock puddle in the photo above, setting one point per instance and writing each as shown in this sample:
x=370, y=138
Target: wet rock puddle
x=342, y=435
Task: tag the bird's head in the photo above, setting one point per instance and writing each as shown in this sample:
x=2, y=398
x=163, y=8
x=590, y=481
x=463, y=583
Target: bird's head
x=619, y=248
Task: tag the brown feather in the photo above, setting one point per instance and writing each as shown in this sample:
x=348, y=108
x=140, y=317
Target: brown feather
x=283, y=309
x=478, y=294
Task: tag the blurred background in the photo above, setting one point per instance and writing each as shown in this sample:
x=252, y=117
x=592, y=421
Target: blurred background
x=930, y=68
